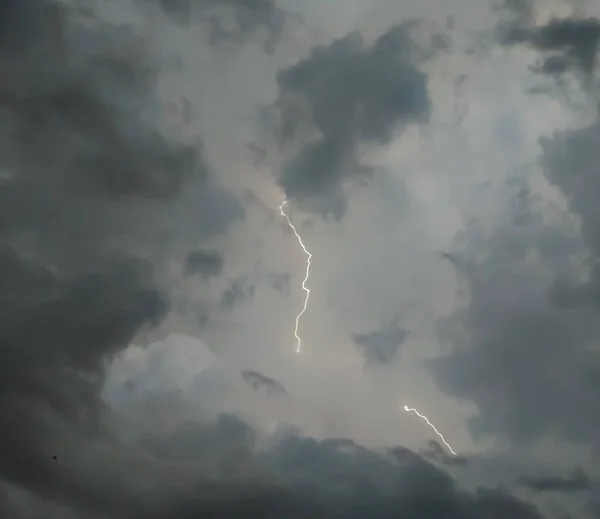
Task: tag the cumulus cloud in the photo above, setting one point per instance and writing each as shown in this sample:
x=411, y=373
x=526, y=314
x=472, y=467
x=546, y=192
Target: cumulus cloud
x=107, y=195
x=351, y=92
x=333, y=477
x=523, y=347
x=89, y=171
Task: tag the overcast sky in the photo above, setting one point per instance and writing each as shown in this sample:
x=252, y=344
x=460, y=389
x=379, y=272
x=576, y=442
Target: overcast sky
x=439, y=163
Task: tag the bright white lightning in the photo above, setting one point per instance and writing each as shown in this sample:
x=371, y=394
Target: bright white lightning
x=304, y=287
x=306, y=298
x=423, y=417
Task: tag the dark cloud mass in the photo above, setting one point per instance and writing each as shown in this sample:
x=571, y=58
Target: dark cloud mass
x=526, y=360
x=576, y=482
x=573, y=41
x=352, y=92
x=381, y=346
x=84, y=186
x=259, y=381
x=337, y=478
x=98, y=199
x=525, y=347
x=206, y=263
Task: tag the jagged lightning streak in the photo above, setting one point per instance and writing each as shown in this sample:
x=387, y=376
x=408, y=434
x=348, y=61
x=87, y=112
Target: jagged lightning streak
x=305, y=306
x=304, y=287
x=423, y=417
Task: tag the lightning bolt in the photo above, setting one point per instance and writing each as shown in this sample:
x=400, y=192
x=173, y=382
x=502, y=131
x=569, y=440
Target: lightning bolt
x=304, y=307
x=304, y=287
x=423, y=417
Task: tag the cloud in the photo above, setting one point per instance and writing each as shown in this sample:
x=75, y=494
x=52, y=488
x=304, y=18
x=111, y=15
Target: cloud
x=520, y=356
x=574, y=42
x=382, y=346
x=91, y=175
x=436, y=452
x=102, y=196
x=330, y=478
x=523, y=347
x=231, y=21
x=257, y=380
x=578, y=482
x=206, y=263
x=238, y=290
x=280, y=282
x=351, y=92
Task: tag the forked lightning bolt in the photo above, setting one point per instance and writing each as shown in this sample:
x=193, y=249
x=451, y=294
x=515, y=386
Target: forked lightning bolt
x=304, y=287
x=423, y=417
x=305, y=306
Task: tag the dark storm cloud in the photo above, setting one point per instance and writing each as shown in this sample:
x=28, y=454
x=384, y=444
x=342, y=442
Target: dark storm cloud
x=338, y=478
x=381, y=346
x=202, y=262
x=577, y=482
x=524, y=348
x=352, y=92
x=521, y=357
x=86, y=179
x=574, y=42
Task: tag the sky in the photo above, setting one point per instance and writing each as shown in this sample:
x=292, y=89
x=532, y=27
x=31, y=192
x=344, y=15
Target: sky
x=438, y=163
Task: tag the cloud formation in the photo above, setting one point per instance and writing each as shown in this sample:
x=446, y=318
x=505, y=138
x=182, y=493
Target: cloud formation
x=577, y=482
x=202, y=262
x=89, y=175
x=523, y=347
x=102, y=198
x=351, y=92
x=574, y=42
x=381, y=346
x=231, y=21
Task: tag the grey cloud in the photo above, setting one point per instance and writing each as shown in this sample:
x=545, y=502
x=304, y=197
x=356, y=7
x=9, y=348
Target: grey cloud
x=280, y=282
x=524, y=347
x=296, y=477
x=514, y=13
x=381, y=346
x=352, y=92
x=577, y=482
x=87, y=171
x=437, y=453
x=53, y=350
x=257, y=381
x=231, y=21
x=17, y=503
x=89, y=185
x=338, y=478
x=575, y=41
x=206, y=263
x=239, y=290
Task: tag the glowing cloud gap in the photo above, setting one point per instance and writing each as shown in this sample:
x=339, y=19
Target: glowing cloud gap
x=304, y=287
x=423, y=417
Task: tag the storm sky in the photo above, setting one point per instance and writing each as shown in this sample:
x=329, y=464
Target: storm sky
x=439, y=163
